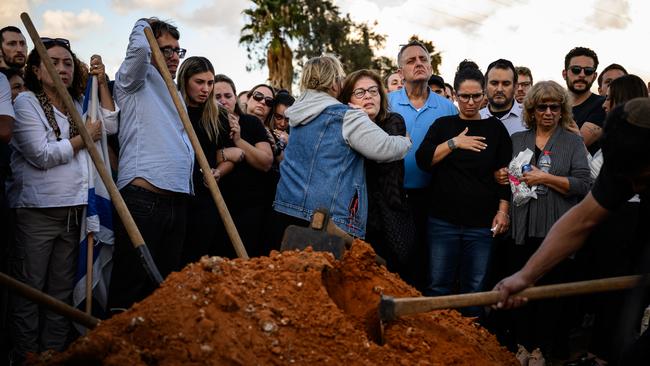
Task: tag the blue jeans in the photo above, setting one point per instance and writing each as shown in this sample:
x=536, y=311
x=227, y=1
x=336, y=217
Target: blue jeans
x=460, y=253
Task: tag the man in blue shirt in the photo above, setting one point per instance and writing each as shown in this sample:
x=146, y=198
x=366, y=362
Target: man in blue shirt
x=419, y=107
x=155, y=165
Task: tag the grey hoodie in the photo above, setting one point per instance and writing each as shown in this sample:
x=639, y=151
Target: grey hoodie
x=362, y=134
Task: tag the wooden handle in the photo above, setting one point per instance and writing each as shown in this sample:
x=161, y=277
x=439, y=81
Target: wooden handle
x=118, y=202
x=391, y=308
x=53, y=304
x=159, y=61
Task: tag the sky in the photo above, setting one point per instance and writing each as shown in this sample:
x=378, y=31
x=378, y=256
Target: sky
x=532, y=33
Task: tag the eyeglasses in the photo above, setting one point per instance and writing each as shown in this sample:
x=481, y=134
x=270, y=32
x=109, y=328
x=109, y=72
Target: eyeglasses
x=280, y=117
x=168, y=52
x=361, y=92
x=259, y=97
x=466, y=97
x=61, y=41
x=541, y=108
x=577, y=69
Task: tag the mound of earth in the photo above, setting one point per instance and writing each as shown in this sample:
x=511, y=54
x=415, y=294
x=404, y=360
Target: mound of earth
x=300, y=308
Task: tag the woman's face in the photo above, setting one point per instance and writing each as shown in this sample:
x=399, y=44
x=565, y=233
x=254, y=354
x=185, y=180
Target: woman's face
x=260, y=103
x=279, y=118
x=366, y=95
x=607, y=104
x=469, y=96
x=198, y=88
x=548, y=113
x=225, y=96
x=63, y=64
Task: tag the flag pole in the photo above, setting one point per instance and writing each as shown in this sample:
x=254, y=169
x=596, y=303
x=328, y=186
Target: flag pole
x=92, y=113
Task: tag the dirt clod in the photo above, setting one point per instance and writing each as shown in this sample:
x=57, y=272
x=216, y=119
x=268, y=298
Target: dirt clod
x=292, y=308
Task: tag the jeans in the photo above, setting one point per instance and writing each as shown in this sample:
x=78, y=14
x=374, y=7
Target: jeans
x=460, y=253
x=162, y=220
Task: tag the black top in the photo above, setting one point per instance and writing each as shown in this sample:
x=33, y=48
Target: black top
x=245, y=185
x=463, y=189
x=209, y=148
x=591, y=110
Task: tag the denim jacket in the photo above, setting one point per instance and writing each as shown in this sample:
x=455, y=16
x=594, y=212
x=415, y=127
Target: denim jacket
x=323, y=164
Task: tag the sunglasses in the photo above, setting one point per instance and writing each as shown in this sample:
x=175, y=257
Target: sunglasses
x=60, y=41
x=466, y=97
x=259, y=97
x=168, y=52
x=577, y=69
x=543, y=107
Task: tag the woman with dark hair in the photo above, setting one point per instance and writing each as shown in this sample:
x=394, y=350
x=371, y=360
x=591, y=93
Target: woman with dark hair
x=468, y=207
x=205, y=231
x=627, y=87
x=260, y=102
x=245, y=189
x=390, y=229
x=48, y=189
x=547, y=116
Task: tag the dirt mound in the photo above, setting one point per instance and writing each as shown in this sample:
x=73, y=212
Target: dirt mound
x=299, y=308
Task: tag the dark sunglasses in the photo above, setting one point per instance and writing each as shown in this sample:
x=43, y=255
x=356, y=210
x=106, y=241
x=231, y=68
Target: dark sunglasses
x=60, y=41
x=168, y=52
x=259, y=97
x=577, y=69
x=543, y=107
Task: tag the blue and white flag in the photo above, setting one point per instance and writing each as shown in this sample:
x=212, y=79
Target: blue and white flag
x=98, y=219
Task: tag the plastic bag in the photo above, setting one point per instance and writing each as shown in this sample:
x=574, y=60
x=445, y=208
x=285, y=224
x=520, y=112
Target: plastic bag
x=521, y=193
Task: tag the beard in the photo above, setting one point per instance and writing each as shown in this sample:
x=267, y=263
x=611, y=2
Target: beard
x=572, y=88
x=501, y=103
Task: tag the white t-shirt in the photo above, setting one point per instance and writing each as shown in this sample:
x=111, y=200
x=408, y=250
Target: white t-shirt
x=6, y=108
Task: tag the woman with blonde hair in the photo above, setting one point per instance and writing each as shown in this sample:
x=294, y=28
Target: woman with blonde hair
x=323, y=165
x=205, y=232
x=548, y=116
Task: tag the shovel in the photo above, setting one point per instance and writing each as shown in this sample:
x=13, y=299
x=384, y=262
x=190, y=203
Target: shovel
x=322, y=235
x=391, y=308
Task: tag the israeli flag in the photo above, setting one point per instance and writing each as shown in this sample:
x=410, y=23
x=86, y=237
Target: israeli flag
x=98, y=221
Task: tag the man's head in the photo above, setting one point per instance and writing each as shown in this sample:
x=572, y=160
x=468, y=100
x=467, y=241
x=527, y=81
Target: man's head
x=167, y=36
x=449, y=90
x=500, y=79
x=437, y=85
x=14, y=47
x=394, y=82
x=414, y=63
x=625, y=142
x=611, y=72
x=579, y=72
x=524, y=82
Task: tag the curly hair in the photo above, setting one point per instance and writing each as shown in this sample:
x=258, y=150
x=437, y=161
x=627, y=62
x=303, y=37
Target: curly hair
x=547, y=91
x=79, y=76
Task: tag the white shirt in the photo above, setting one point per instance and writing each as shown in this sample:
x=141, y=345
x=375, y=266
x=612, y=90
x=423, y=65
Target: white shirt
x=6, y=108
x=513, y=120
x=46, y=172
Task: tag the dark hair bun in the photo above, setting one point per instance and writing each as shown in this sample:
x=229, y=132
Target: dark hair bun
x=467, y=65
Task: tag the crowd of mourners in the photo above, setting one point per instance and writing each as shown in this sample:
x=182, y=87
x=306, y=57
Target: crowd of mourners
x=416, y=166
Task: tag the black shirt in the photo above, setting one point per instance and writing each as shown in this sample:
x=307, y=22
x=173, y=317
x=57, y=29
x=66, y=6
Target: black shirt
x=463, y=189
x=591, y=110
x=245, y=185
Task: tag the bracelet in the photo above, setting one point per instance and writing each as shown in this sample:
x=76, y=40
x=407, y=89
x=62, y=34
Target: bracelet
x=223, y=155
x=508, y=216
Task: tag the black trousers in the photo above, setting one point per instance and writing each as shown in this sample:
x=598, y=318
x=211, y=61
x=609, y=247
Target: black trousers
x=418, y=201
x=162, y=221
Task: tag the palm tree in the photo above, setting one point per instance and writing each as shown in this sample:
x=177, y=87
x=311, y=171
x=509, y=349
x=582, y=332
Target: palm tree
x=271, y=24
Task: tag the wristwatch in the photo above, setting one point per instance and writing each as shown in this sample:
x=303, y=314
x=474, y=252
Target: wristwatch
x=451, y=144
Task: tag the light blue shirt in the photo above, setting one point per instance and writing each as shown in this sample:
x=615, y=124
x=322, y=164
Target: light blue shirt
x=153, y=143
x=417, y=125
x=513, y=120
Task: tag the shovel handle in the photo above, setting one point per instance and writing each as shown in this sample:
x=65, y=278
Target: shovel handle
x=391, y=308
x=53, y=304
x=228, y=223
x=116, y=197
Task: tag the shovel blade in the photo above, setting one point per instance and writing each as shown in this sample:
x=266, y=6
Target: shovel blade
x=297, y=237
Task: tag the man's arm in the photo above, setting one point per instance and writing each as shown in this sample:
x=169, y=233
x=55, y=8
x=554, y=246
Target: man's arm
x=6, y=110
x=133, y=70
x=590, y=132
x=566, y=236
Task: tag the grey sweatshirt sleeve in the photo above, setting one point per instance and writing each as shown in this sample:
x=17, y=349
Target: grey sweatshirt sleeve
x=369, y=140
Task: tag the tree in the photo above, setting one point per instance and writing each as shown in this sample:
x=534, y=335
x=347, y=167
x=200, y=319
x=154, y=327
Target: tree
x=436, y=58
x=271, y=25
